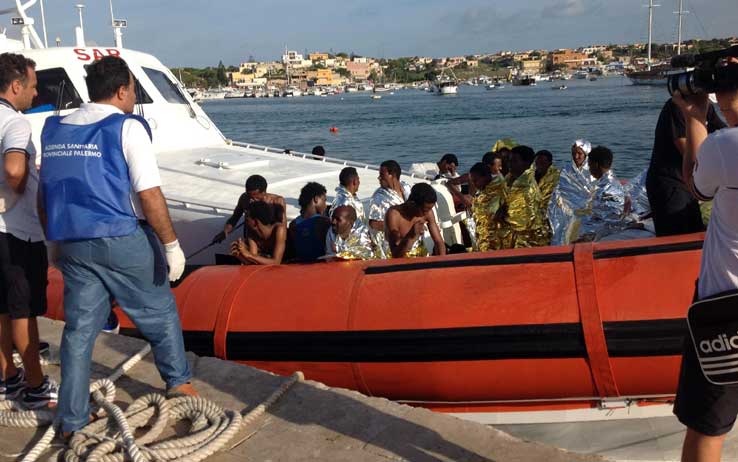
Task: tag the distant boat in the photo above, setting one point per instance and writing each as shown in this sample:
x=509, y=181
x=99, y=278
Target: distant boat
x=656, y=75
x=376, y=96
x=292, y=91
x=560, y=87
x=235, y=94
x=524, y=81
x=446, y=84
x=581, y=75
x=491, y=86
x=592, y=78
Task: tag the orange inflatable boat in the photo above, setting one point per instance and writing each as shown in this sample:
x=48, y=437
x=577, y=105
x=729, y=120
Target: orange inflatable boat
x=588, y=326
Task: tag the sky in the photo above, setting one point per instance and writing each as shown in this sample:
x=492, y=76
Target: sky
x=200, y=33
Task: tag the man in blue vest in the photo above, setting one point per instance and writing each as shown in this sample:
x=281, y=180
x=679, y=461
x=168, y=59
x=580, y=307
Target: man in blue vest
x=101, y=202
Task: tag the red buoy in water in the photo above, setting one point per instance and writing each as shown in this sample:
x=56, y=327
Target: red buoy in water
x=333, y=129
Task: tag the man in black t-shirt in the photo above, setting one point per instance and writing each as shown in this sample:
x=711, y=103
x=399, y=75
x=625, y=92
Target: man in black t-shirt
x=675, y=210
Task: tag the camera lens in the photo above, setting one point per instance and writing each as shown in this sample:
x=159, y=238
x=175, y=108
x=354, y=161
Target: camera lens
x=684, y=83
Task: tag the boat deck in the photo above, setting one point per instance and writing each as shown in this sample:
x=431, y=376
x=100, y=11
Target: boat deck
x=310, y=422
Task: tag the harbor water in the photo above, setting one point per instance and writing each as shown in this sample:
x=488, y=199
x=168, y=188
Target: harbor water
x=416, y=126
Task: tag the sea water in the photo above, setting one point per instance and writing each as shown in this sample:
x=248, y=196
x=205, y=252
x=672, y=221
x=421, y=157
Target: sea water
x=416, y=126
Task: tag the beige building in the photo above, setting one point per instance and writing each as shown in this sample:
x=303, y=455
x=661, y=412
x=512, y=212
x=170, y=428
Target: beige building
x=571, y=59
x=532, y=66
x=317, y=57
x=359, y=71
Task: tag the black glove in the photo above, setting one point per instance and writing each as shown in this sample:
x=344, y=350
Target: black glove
x=220, y=237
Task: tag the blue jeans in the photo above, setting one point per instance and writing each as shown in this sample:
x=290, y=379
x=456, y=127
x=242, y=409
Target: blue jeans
x=132, y=270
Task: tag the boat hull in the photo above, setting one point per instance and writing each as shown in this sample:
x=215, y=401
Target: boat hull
x=553, y=328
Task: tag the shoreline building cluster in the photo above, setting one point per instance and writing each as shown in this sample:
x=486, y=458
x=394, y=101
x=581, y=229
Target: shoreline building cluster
x=322, y=70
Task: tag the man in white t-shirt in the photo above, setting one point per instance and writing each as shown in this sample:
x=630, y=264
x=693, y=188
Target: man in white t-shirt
x=710, y=169
x=101, y=202
x=23, y=263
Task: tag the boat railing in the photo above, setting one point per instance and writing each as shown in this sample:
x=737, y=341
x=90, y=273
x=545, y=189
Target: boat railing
x=198, y=206
x=331, y=160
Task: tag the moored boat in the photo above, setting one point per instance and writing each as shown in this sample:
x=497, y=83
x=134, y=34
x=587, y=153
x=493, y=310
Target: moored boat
x=446, y=83
x=582, y=332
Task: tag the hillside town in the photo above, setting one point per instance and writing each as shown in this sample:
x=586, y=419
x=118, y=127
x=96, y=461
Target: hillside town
x=322, y=73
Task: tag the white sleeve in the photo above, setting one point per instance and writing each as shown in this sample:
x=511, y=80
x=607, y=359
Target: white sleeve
x=16, y=136
x=143, y=170
x=708, y=170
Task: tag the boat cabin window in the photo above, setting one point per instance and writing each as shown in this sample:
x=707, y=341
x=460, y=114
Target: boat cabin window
x=168, y=89
x=56, y=92
x=142, y=97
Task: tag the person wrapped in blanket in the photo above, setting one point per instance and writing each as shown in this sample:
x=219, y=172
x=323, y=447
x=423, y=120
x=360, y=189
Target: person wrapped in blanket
x=547, y=176
x=490, y=192
x=348, y=238
x=571, y=196
x=346, y=193
x=392, y=191
x=611, y=216
x=520, y=216
x=405, y=224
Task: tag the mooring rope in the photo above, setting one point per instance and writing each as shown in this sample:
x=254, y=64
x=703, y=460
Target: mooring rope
x=112, y=439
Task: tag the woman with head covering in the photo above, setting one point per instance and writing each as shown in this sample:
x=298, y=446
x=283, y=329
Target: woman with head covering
x=571, y=197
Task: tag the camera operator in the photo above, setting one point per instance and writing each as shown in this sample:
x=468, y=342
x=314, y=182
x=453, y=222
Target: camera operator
x=710, y=171
x=675, y=210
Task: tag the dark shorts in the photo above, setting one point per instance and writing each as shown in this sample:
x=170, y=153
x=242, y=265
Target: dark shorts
x=23, y=277
x=700, y=405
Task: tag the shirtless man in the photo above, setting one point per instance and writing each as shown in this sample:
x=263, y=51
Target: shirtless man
x=267, y=235
x=406, y=223
x=256, y=186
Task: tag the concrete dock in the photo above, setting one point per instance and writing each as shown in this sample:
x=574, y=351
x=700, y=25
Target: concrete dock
x=310, y=422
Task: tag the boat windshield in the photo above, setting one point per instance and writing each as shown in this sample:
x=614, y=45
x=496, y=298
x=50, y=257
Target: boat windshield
x=168, y=89
x=55, y=91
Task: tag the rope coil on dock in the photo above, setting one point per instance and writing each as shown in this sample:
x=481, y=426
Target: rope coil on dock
x=112, y=439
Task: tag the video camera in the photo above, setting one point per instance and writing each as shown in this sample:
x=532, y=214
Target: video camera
x=710, y=72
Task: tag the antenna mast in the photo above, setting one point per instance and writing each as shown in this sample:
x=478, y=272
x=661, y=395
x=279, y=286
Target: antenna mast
x=680, y=13
x=80, y=31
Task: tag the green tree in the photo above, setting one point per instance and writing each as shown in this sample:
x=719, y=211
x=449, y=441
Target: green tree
x=220, y=74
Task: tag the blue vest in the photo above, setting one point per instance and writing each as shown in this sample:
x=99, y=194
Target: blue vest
x=84, y=179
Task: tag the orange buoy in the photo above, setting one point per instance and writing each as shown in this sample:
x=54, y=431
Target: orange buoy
x=334, y=129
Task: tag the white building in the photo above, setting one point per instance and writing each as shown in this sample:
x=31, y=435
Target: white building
x=293, y=58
